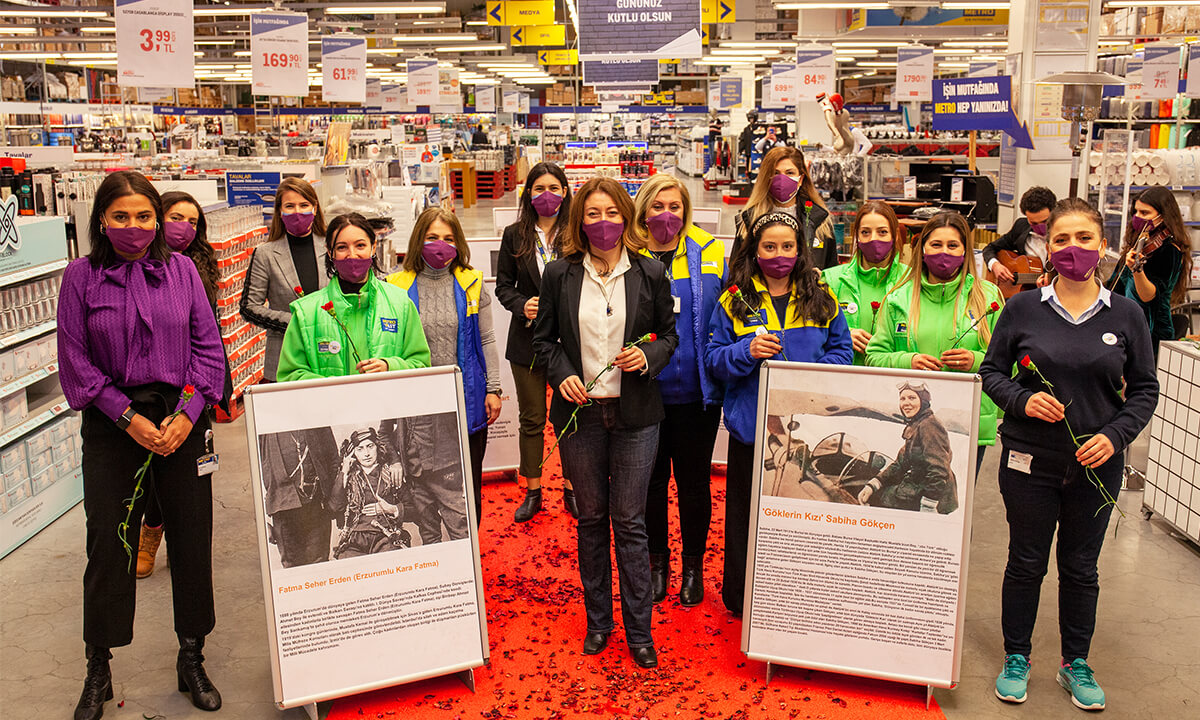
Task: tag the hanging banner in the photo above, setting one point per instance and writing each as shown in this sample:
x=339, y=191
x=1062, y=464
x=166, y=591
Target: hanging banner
x=816, y=72
x=422, y=81
x=925, y=16
x=717, y=11
x=779, y=88
x=395, y=99
x=914, y=74
x=344, y=69
x=155, y=43
x=279, y=53
x=714, y=94
x=617, y=29
x=859, y=532
x=965, y=104
x=525, y=12
x=983, y=69
x=1062, y=24
x=523, y=104
x=374, y=96
x=1193, y=71
x=539, y=36
x=1160, y=72
x=485, y=99
x=449, y=91
x=1133, y=78
x=511, y=101
x=730, y=92
x=345, y=614
x=558, y=57
x=620, y=72
x=1006, y=189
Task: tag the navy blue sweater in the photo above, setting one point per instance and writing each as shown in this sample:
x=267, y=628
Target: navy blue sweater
x=1109, y=387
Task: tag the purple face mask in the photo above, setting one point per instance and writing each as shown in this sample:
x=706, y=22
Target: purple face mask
x=778, y=266
x=1038, y=229
x=179, y=234
x=943, y=266
x=131, y=240
x=874, y=251
x=298, y=223
x=353, y=269
x=604, y=235
x=547, y=203
x=438, y=254
x=784, y=187
x=1075, y=263
x=1139, y=224
x=665, y=226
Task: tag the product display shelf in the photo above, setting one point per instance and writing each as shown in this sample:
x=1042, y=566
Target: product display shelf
x=1173, y=468
x=243, y=232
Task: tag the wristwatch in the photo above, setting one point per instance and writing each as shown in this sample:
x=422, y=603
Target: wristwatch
x=125, y=419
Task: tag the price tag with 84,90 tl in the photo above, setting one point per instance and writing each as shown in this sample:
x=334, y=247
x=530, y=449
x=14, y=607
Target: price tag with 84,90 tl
x=155, y=43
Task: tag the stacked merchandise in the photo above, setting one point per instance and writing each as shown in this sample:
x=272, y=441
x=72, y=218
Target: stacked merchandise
x=234, y=233
x=51, y=454
x=24, y=308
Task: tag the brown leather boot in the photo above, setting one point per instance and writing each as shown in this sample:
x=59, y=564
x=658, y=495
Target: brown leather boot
x=147, y=549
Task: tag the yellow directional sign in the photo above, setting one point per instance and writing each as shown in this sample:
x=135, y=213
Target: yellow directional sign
x=558, y=57
x=668, y=61
x=495, y=13
x=703, y=35
x=540, y=35
x=717, y=11
x=529, y=12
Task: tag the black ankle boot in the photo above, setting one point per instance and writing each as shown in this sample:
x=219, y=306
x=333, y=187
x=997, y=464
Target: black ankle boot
x=97, y=687
x=569, y=502
x=192, y=678
x=660, y=573
x=691, y=582
x=530, y=506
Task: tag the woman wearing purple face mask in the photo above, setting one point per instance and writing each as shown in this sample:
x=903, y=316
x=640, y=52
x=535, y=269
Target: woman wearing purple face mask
x=695, y=266
x=527, y=246
x=777, y=307
x=783, y=185
x=286, y=261
x=941, y=314
x=860, y=284
x=134, y=330
x=606, y=329
x=456, y=313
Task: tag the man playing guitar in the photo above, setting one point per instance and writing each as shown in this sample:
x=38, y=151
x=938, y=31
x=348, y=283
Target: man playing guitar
x=1015, y=258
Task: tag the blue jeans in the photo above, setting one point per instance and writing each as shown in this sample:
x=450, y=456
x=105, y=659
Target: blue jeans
x=609, y=465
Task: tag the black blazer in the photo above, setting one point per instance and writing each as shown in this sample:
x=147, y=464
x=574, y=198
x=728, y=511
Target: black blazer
x=1013, y=240
x=648, y=309
x=517, y=280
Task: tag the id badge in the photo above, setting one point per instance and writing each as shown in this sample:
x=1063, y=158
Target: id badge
x=1021, y=462
x=678, y=303
x=207, y=464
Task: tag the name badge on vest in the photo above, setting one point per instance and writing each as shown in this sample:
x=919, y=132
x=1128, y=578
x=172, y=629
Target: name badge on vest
x=472, y=305
x=678, y=303
x=901, y=328
x=849, y=308
x=331, y=347
x=389, y=324
x=818, y=242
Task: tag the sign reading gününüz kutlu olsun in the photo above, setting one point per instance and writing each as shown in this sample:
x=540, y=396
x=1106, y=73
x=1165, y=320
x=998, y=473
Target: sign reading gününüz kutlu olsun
x=652, y=29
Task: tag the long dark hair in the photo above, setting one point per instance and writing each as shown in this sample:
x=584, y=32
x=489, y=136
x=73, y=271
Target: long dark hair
x=336, y=226
x=1161, y=199
x=199, y=250
x=813, y=300
x=117, y=185
x=528, y=217
x=301, y=187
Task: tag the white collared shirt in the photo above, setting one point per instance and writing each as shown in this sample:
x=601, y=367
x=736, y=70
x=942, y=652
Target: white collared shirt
x=601, y=334
x=1103, y=300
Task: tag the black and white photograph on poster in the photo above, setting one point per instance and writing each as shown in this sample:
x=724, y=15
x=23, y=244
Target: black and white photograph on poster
x=366, y=532
x=891, y=448
x=861, y=509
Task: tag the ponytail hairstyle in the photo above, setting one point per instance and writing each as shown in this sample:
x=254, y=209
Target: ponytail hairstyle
x=813, y=301
x=879, y=207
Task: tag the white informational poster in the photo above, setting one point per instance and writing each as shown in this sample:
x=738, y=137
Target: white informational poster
x=861, y=520
x=395, y=99
x=449, y=90
x=422, y=81
x=1160, y=72
x=155, y=43
x=503, y=446
x=344, y=69
x=606, y=128
x=816, y=72
x=391, y=593
x=374, y=96
x=564, y=126
x=1062, y=24
x=511, y=101
x=779, y=88
x=279, y=53
x=914, y=73
x=523, y=104
x=714, y=94
x=485, y=99
x=1193, y=71
x=983, y=69
x=1133, y=78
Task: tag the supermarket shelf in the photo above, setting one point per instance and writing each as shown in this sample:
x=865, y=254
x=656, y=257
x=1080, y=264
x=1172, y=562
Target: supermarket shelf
x=27, y=380
x=32, y=272
x=31, y=333
x=58, y=406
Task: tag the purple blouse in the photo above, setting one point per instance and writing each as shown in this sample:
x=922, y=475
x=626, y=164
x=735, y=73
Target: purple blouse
x=136, y=323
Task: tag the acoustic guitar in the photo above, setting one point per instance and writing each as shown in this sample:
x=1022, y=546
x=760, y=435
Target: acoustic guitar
x=1025, y=272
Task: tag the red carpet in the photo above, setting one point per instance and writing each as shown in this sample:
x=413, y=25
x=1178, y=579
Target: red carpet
x=536, y=626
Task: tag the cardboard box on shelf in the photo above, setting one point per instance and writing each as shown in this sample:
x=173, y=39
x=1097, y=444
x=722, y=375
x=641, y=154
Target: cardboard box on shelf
x=8, y=366
x=38, y=462
x=1151, y=22
x=1192, y=24
x=18, y=494
x=1174, y=20
x=13, y=458
x=39, y=483
x=14, y=409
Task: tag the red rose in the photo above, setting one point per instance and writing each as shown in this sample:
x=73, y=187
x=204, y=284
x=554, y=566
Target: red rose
x=1026, y=362
x=874, y=306
x=995, y=306
x=651, y=337
x=328, y=307
x=733, y=290
x=189, y=390
x=298, y=290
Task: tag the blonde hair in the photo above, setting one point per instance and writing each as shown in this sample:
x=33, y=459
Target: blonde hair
x=575, y=243
x=761, y=202
x=977, y=304
x=649, y=191
x=414, y=261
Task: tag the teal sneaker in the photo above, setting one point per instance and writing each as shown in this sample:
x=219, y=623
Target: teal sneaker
x=1077, y=679
x=1013, y=680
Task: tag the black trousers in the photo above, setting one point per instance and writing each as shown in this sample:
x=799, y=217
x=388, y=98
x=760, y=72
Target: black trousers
x=1054, y=495
x=110, y=460
x=685, y=442
x=476, y=446
x=739, y=476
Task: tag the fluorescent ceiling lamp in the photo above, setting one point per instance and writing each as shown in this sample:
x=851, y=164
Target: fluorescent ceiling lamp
x=29, y=56
x=988, y=58
x=242, y=53
x=85, y=63
x=83, y=55
x=727, y=61
x=477, y=23
x=953, y=65
x=735, y=51
x=877, y=63
x=856, y=52
x=42, y=12
x=388, y=51
x=975, y=6
x=432, y=38
x=870, y=44
x=215, y=42
x=843, y=58
x=953, y=51
x=30, y=31
x=532, y=81
x=99, y=30
x=210, y=10
x=481, y=47
x=1150, y=3
x=412, y=9
x=760, y=44
x=738, y=58
x=975, y=43
x=832, y=6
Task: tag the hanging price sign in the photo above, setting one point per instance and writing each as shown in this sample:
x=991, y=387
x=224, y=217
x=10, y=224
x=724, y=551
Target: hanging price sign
x=155, y=43
x=1160, y=72
x=279, y=53
x=780, y=86
x=395, y=99
x=344, y=69
x=374, y=94
x=816, y=72
x=422, y=81
x=510, y=101
x=914, y=74
x=485, y=99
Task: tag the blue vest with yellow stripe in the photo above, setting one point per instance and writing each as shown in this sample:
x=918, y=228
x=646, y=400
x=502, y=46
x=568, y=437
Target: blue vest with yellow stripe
x=468, y=288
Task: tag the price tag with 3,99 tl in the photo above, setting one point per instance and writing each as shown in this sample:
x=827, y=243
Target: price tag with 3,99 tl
x=279, y=54
x=154, y=43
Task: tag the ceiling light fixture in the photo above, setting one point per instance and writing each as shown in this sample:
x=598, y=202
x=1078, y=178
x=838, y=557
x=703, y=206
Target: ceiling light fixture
x=481, y=47
x=413, y=9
